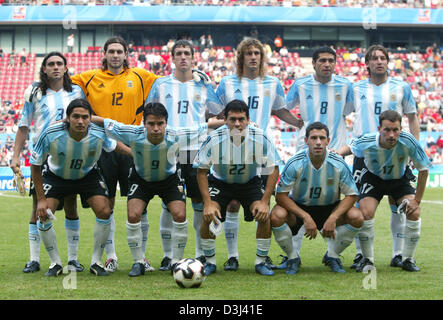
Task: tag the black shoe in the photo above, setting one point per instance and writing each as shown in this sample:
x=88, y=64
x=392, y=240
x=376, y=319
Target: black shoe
x=165, y=265
x=31, y=266
x=409, y=265
x=138, y=269
x=98, y=270
x=74, y=265
x=202, y=259
x=358, y=258
x=396, y=261
x=54, y=270
x=231, y=264
x=364, y=264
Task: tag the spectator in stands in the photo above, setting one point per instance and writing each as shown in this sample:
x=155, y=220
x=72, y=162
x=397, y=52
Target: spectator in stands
x=23, y=58
x=70, y=42
x=11, y=60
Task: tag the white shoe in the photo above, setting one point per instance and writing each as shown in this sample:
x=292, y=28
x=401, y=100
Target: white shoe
x=147, y=265
x=111, y=265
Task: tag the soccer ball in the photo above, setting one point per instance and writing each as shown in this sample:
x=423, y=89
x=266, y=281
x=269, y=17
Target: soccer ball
x=189, y=273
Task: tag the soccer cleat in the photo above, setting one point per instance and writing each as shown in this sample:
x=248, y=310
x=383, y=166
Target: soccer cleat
x=54, y=270
x=365, y=263
x=409, y=265
x=148, y=266
x=264, y=269
x=231, y=264
x=358, y=258
x=111, y=265
x=283, y=264
x=138, y=269
x=292, y=265
x=210, y=268
x=334, y=263
x=98, y=270
x=269, y=263
x=74, y=265
x=31, y=266
x=396, y=261
x=165, y=265
x=202, y=259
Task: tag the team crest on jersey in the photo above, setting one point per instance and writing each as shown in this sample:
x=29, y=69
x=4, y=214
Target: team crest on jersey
x=91, y=153
x=197, y=97
x=130, y=84
x=267, y=93
x=330, y=181
x=338, y=97
x=393, y=97
x=400, y=159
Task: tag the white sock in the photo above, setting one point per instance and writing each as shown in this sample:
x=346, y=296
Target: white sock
x=166, y=231
x=230, y=227
x=398, y=231
x=110, y=243
x=297, y=240
x=343, y=238
x=49, y=239
x=263, y=247
x=72, y=228
x=101, y=234
x=145, y=230
x=197, y=222
x=366, y=236
x=283, y=236
x=357, y=241
x=412, y=235
x=179, y=239
x=208, y=246
x=34, y=242
x=134, y=237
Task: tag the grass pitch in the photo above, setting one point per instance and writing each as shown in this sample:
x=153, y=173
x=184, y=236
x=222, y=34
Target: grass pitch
x=313, y=282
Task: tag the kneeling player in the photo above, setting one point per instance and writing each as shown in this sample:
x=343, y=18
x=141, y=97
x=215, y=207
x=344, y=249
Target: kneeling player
x=155, y=148
x=308, y=194
x=73, y=148
x=233, y=153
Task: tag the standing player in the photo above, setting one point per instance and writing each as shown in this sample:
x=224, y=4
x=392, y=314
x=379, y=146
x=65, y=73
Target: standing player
x=73, y=149
x=233, y=155
x=45, y=103
x=324, y=97
x=265, y=97
x=373, y=96
x=308, y=194
x=386, y=154
x=187, y=102
x=155, y=148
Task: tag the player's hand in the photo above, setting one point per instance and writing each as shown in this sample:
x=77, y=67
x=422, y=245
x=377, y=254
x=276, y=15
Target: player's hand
x=200, y=76
x=260, y=211
x=310, y=227
x=15, y=166
x=300, y=123
x=412, y=207
x=42, y=207
x=328, y=230
x=210, y=212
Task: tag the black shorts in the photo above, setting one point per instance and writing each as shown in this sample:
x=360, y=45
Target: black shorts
x=245, y=193
x=188, y=173
x=375, y=187
x=318, y=213
x=114, y=168
x=32, y=192
x=168, y=190
x=90, y=185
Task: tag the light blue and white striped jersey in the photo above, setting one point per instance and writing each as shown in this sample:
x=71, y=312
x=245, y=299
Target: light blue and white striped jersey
x=234, y=160
x=262, y=95
x=391, y=163
x=328, y=103
x=153, y=162
x=49, y=109
x=370, y=100
x=316, y=187
x=70, y=159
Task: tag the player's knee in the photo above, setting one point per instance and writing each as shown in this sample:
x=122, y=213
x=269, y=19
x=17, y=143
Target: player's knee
x=357, y=218
x=103, y=213
x=134, y=217
x=179, y=216
x=233, y=206
x=414, y=216
x=278, y=216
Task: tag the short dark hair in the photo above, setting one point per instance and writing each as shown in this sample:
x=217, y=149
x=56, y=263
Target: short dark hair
x=325, y=49
x=236, y=106
x=78, y=103
x=317, y=126
x=115, y=39
x=156, y=109
x=390, y=115
x=182, y=43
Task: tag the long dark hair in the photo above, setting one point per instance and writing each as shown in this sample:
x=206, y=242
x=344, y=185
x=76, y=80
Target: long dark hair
x=44, y=82
x=112, y=40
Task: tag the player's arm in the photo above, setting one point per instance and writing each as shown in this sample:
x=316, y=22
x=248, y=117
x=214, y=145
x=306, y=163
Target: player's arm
x=419, y=192
x=414, y=125
x=344, y=151
x=37, y=179
x=214, y=122
x=260, y=210
x=20, y=139
x=123, y=149
x=343, y=206
x=98, y=120
x=285, y=115
x=210, y=209
x=283, y=200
